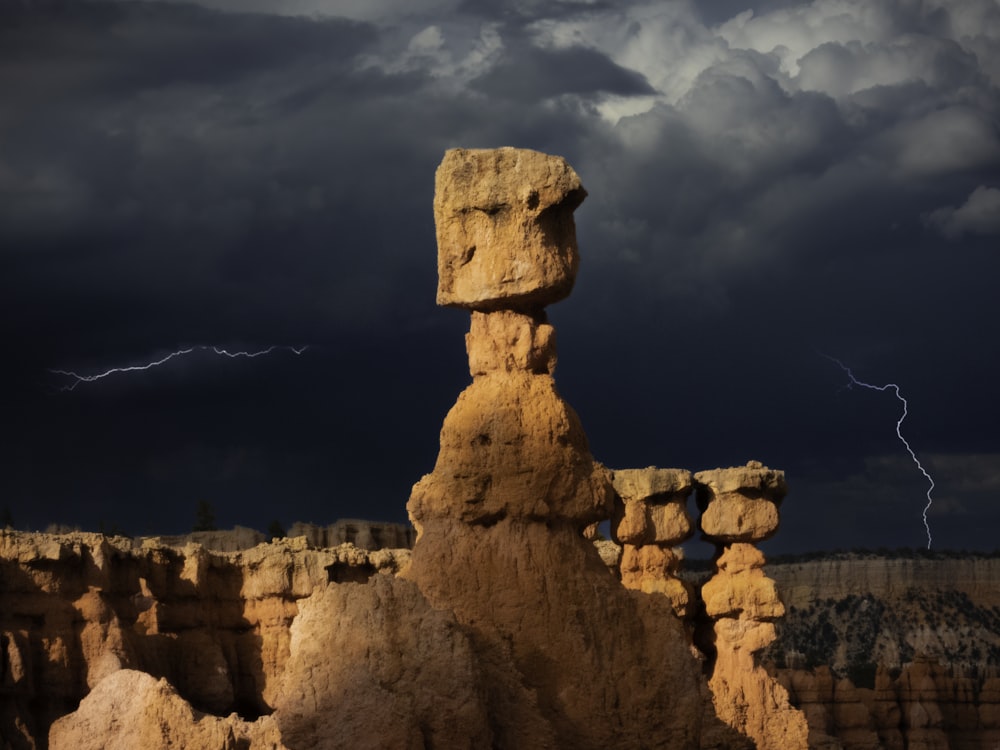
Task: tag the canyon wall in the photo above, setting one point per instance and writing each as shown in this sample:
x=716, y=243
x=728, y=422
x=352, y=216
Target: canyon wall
x=892, y=652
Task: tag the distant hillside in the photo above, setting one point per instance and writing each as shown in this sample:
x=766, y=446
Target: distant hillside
x=855, y=610
x=895, y=650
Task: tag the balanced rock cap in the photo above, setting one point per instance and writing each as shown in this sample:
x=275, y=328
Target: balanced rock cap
x=754, y=480
x=651, y=483
x=505, y=231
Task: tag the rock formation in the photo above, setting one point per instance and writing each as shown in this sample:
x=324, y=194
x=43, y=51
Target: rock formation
x=505, y=231
x=75, y=609
x=503, y=628
x=131, y=710
x=649, y=520
x=367, y=535
x=500, y=517
x=894, y=652
x=739, y=507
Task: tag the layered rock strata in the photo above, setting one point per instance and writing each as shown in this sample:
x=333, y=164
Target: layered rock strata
x=650, y=519
x=739, y=507
x=892, y=651
x=367, y=535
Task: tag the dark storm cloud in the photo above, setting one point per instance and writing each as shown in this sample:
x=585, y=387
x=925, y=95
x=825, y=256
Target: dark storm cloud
x=811, y=175
x=534, y=74
x=109, y=47
x=980, y=214
x=183, y=168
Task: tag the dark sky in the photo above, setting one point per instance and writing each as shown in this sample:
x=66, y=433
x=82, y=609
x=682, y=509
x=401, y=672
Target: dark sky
x=764, y=186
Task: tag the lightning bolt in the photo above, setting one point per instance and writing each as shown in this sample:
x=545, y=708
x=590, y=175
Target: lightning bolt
x=77, y=378
x=899, y=434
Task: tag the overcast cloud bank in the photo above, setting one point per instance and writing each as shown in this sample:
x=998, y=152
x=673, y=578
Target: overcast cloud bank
x=762, y=183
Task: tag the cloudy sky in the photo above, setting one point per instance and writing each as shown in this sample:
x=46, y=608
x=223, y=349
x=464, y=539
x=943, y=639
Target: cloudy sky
x=769, y=182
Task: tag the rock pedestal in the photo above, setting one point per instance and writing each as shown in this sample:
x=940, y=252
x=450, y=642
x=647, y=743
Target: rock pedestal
x=650, y=519
x=500, y=518
x=739, y=506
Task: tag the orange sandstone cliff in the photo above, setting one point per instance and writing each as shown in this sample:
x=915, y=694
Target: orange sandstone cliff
x=503, y=628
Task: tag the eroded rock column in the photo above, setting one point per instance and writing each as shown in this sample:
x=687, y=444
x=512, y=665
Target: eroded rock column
x=510, y=447
x=739, y=508
x=650, y=519
x=501, y=516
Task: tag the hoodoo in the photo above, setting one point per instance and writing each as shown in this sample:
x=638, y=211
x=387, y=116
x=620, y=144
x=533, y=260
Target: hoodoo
x=500, y=517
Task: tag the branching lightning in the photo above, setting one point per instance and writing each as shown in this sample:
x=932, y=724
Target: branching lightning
x=899, y=434
x=77, y=378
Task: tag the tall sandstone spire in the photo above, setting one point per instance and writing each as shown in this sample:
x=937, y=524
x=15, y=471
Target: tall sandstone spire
x=506, y=630
x=500, y=518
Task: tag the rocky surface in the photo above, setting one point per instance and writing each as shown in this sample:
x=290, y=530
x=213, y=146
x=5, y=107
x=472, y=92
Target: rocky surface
x=77, y=608
x=649, y=519
x=893, y=652
x=375, y=666
x=740, y=504
x=501, y=516
x=742, y=604
x=370, y=535
x=653, y=507
x=367, y=535
x=131, y=709
x=505, y=231
x=504, y=627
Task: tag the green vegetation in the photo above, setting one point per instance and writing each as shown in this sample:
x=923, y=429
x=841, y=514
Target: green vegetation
x=862, y=553
x=853, y=634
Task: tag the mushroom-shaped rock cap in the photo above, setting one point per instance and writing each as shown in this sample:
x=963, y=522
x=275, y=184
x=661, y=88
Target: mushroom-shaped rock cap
x=752, y=480
x=505, y=231
x=651, y=482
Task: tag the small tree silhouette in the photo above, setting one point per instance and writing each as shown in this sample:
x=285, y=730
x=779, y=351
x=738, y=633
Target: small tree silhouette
x=275, y=530
x=112, y=529
x=6, y=519
x=204, y=517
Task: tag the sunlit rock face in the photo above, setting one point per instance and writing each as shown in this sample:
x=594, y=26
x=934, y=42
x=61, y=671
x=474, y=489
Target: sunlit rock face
x=649, y=520
x=739, y=505
x=131, y=709
x=75, y=609
x=505, y=230
x=501, y=515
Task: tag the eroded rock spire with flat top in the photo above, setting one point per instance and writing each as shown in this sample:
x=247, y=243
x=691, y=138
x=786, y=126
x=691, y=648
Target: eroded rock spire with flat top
x=501, y=515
